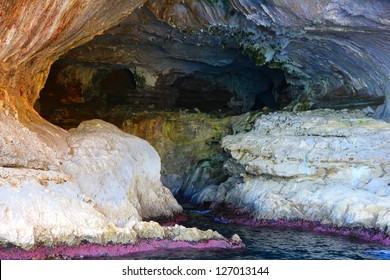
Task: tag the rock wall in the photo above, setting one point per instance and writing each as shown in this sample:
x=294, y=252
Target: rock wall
x=92, y=184
x=34, y=34
x=324, y=166
x=337, y=50
x=185, y=69
x=185, y=141
x=332, y=54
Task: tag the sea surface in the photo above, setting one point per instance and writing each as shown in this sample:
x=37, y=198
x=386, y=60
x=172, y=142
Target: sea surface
x=271, y=243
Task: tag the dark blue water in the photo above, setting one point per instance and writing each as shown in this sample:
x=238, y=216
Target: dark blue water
x=273, y=243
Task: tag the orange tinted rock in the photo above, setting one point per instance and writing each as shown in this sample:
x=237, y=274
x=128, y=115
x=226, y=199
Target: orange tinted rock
x=33, y=35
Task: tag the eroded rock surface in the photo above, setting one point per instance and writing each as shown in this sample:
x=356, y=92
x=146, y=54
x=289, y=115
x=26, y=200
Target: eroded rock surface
x=126, y=168
x=337, y=50
x=185, y=141
x=333, y=54
x=92, y=184
x=34, y=34
x=110, y=182
x=325, y=166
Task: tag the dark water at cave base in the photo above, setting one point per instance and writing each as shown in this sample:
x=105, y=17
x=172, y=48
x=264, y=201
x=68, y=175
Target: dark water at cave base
x=271, y=243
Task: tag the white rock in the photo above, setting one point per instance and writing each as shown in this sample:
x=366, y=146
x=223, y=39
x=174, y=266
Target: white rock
x=108, y=183
x=45, y=206
x=120, y=172
x=323, y=165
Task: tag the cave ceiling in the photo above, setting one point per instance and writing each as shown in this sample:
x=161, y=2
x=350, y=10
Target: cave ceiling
x=331, y=53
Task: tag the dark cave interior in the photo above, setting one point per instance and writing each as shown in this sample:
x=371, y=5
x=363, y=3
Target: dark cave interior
x=78, y=92
x=144, y=64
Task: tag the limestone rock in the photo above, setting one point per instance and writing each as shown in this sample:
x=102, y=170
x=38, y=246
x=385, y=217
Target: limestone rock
x=177, y=233
x=149, y=230
x=180, y=233
x=29, y=147
x=108, y=182
x=48, y=207
x=119, y=171
x=325, y=166
x=33, y=35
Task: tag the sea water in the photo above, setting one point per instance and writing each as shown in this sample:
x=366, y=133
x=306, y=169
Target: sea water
x=270, y=243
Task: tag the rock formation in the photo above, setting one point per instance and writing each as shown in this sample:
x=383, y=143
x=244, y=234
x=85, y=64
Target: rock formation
x=92, y=184
x=323, y=166
x=184, y=141
x=34, y=34
x=305, y=54
x=336, y=50
x=96, y=183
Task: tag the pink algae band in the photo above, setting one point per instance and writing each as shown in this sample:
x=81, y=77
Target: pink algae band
x=113, y=250
x=362, y=233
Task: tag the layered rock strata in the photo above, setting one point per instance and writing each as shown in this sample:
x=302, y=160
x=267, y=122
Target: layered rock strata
x=336, y=50
x=325, y=166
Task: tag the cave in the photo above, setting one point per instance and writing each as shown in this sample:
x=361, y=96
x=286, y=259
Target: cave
x=183, y=111
x=178, y=73
x=136, y=126
x=109, y=89
x=117, y=88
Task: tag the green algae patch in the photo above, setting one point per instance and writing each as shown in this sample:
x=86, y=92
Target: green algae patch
x=182, y=139
x=189, y=144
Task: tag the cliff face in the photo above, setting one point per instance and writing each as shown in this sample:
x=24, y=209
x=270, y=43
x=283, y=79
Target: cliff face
x=322, y=165
x=333, y=54
x=33, y=35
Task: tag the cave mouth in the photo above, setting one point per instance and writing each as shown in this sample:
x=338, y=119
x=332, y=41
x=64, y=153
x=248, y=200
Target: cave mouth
x=183, y=115
x=79, y=91
x=145, y=64
x=177, y=90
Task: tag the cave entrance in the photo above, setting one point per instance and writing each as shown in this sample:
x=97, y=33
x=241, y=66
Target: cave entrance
x=183, y=116
x=76, y=91
x=145, y=64
x=180, y=91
